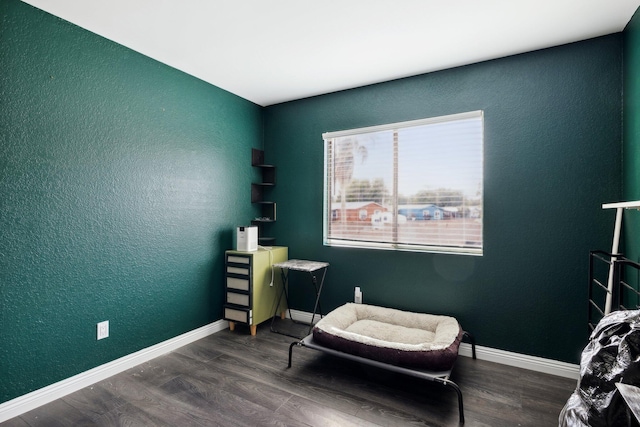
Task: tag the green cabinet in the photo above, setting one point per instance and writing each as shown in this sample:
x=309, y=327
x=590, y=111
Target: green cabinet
x=252, y=287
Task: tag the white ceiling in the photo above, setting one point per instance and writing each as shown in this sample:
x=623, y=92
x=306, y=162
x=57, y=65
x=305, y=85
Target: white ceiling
x=271, y=51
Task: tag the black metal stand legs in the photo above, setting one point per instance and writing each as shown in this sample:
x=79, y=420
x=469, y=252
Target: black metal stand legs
x=439, y=377
x=310, y=267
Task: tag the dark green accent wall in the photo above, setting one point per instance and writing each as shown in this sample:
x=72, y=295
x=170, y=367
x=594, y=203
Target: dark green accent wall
x=631, y=150
x=553, y=134
x=121, y=180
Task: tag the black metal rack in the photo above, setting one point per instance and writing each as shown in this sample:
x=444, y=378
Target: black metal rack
x=258, y=192
x=625, y=294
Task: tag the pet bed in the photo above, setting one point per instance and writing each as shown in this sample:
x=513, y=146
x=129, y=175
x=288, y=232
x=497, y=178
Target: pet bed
x=416, y=344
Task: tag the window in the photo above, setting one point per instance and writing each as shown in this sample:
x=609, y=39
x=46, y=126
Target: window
x=413, y=185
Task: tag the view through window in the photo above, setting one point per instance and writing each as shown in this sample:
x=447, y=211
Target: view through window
x=411, y=186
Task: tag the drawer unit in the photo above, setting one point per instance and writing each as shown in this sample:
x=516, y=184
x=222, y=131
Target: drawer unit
x=251, y=286
x=242, y=315
x=238, y=283
x=238, y=299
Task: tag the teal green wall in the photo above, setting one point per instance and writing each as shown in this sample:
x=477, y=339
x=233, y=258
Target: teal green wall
x=121, y=180
x=631, y=150
x=552, y=156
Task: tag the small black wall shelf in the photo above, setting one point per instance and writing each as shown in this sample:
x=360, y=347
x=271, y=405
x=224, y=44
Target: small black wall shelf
x=258, y=193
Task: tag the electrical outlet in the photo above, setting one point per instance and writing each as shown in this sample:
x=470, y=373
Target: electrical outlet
x=357, y=297
x=103, y=329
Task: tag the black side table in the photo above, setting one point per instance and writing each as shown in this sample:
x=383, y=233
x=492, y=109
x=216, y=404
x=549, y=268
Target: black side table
x=314, y=268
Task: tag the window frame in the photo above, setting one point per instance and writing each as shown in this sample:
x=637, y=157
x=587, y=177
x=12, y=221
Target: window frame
x=441, y=249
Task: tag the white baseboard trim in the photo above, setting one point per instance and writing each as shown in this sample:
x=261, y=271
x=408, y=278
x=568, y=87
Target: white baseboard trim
x=301, y=316
x=27, y=402
x=533, y=363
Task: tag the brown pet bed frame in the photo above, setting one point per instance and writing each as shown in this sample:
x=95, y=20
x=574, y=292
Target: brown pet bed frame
x=416, y=344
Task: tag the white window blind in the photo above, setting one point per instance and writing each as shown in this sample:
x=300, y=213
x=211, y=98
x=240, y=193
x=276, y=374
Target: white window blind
x=413, y=185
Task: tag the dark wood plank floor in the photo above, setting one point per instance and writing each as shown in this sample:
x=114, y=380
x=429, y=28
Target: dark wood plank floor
x=234, y=379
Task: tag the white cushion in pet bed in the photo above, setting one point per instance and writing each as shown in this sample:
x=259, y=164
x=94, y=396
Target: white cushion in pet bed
x=391, y=336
